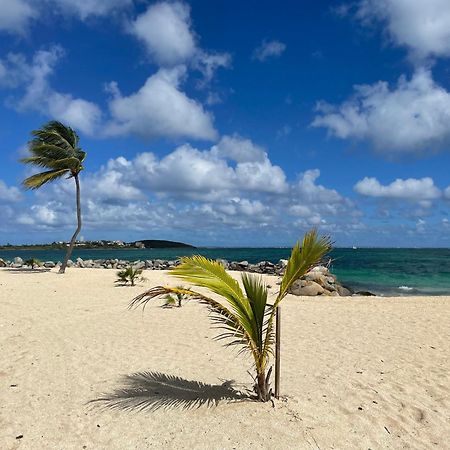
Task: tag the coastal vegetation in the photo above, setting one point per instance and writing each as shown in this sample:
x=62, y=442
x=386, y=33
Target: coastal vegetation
x=246, y=318
x=55, y=147
x=33, y=262
x=176, y=298
x=129, y=275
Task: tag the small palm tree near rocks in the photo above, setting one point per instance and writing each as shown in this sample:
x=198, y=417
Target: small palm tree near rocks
x=129, y=275
x=244, y=315
x=176, y=298
x=33, y=262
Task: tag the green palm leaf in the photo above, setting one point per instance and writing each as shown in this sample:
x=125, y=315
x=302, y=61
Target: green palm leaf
x=303, y=258
x=36, y=181
x=58, y=134
x=211, y=275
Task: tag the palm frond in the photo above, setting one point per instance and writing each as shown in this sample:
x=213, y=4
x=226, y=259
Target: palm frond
x=256, y=292
x=36, y=181
x=211, y=275
x=303, y=258
x=72, y=164
x=45, y=150
x=53, y=147
x=81, y=155
x=56, y=133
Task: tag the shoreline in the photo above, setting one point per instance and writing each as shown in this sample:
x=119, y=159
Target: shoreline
x=262, y=267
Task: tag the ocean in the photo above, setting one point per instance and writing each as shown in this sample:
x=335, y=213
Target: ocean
x=383, y=271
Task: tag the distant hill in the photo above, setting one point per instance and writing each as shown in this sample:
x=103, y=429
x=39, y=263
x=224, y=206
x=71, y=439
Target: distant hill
x=155, y=243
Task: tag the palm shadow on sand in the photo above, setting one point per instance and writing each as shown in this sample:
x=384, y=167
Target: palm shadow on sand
x=151, y=391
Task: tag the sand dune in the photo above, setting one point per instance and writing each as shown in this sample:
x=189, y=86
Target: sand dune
x=356, y=372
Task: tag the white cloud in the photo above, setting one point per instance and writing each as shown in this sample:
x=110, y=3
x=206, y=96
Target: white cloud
x=314, y=193
x=411, y=189
x=423, y=26
x=189, y=172
x=15, y=16
x=447, y=193
x=312, y=202
x=208, y=63
x=213, y=98
x=196, y=194
x=159, y=108
x=165, y=29
x=38, y=94
x=88, y=8
x=268, y=49
x=9, y=194
x=239, y=149
x=13, y=70
x=412, y=118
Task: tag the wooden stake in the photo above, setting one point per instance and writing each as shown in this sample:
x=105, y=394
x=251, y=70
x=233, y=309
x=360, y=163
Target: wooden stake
x=277, y=351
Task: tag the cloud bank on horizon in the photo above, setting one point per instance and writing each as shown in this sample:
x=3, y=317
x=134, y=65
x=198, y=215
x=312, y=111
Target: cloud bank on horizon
x=190, y=121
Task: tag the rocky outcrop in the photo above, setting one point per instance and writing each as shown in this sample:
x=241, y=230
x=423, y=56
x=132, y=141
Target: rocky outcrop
x=320, y=281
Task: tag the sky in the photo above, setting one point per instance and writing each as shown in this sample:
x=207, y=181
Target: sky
x=231, y=123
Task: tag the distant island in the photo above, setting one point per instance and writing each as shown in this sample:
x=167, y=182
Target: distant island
x=102, y=244
x=155, y=243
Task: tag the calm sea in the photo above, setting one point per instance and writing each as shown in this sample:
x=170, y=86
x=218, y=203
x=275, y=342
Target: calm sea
x=384, y=271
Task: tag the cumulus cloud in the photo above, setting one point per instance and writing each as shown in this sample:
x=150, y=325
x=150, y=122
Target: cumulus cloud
x=268, y=49
x=9, y=194
x=314, y=193
x=411, y=118
x=447, y=193
x=239, y=149
x=15, y=16
x=413, y=189
x=312, y=203
x=233, y=185
x=422, y=26
x=205, y=174
x=159, y=108
x=208, y=63
x=89, y=8
x=39, y=96
x=165, y=29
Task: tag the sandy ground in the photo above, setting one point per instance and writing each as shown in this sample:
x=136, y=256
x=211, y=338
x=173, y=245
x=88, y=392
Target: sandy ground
x=363, y=373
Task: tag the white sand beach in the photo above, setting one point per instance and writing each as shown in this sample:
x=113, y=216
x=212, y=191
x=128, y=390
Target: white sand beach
x=357, y=372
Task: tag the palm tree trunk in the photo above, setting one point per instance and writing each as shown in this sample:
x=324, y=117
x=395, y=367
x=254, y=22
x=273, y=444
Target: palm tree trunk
x=77, y=231
x=261, y=386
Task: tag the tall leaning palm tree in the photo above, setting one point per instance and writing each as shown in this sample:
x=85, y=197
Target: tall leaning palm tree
x=55, y=147
x=245, y=316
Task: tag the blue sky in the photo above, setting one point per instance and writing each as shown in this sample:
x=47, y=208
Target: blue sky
x=232, y=123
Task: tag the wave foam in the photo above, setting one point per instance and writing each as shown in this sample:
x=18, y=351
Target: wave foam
x=405, y=288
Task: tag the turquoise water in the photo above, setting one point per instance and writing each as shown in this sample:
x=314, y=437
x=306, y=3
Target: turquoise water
x=382, y=271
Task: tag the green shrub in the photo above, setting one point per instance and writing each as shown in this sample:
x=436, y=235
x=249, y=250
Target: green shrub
x=129, y=275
